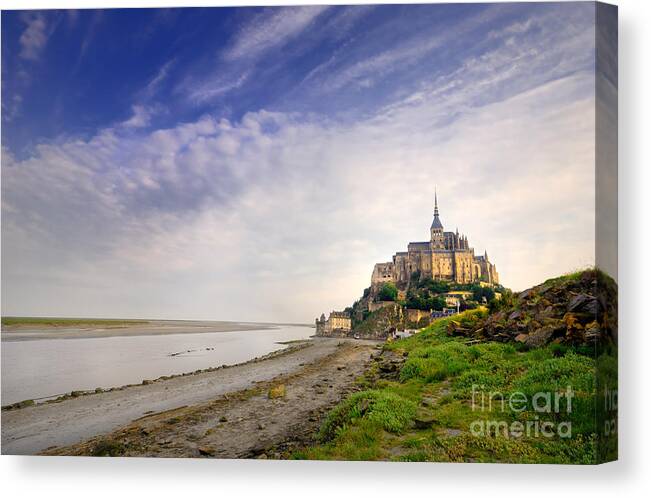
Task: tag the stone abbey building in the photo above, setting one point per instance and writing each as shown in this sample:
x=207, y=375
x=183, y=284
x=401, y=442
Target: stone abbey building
x=446, y=256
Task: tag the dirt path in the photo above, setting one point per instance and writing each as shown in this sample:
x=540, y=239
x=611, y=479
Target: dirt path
x=33, y=429
x=245, y=424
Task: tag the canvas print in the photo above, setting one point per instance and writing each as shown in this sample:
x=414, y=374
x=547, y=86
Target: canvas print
x=364, y=232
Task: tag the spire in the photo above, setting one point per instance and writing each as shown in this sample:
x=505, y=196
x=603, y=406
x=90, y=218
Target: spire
x=485, y=254
x=436, y=223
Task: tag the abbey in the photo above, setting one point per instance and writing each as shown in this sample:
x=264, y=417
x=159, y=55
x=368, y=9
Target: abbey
x=446, y=256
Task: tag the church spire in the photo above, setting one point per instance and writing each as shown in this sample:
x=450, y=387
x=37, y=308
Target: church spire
x=436, y=223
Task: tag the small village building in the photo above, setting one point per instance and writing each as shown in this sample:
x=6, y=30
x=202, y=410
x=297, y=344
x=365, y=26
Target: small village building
x=337, y=324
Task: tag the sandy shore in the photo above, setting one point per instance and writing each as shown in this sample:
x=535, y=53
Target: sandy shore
x=153, y=327
x=71, y=422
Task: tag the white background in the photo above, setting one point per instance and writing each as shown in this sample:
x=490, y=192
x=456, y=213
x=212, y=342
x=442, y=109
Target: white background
x=630, y=476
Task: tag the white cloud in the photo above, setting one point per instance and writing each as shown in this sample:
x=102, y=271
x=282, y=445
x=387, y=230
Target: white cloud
x=279, y=217
x=33, y=39
x=140, y=117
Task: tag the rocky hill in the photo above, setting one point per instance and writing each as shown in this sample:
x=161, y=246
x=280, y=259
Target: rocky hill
x=576, y=309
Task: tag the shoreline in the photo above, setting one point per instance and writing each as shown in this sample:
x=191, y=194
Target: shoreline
x=74, y=419
x=292, y=346
x=16, y=333
x=262, y=421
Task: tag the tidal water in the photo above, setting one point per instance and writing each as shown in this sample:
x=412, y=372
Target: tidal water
x=42, y=368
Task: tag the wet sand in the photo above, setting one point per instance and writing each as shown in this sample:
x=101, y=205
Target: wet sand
x=312, y=374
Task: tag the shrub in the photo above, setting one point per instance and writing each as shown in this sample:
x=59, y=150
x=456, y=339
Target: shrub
x=108, y=447
x=387, y=410
x=388, y=292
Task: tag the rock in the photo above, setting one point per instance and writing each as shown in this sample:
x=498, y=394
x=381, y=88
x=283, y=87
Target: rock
x=261, y=426
x=592, y=331
x=423, y=421
x=515, y=315
x=223, y=419
x=547, y=312
x=584, y=303
x=539, y=337
x=525, y=294
x=206, y=450
x=593, y=306
x=576, y=302
x=146, y=382
x=388, y=367
x=521, y=337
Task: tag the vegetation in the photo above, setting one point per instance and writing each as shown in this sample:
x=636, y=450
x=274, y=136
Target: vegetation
x=388, y=292
x=377, y=321
x=108, y=447
x=422, y=299
x=480, y=293
x=277, y=391
x=425, y=293
x=431, y=411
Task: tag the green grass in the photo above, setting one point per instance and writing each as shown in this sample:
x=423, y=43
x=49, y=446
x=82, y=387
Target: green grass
x=436, y=385
x=381, y=408
x=67, y=322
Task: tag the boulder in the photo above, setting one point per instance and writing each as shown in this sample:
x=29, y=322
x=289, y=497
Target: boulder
x=539, y=337
x=423, y=420
x=206, y=451
x=584, y=303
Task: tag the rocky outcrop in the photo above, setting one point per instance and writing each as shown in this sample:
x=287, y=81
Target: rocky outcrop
x=380, y=323
x=578, y=309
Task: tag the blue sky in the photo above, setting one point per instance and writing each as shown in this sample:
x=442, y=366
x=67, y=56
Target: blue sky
x=157, y=162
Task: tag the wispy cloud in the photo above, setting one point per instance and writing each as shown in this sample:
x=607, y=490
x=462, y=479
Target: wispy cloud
x=162, y=74
x=146, y=221
x=212, y=87
x=273, y=28
x=91, y=32
x=250, y=191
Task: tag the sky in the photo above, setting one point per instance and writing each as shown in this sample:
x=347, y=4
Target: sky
x=255, y=163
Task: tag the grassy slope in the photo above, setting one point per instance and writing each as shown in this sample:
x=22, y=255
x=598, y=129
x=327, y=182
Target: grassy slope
x=435, y=387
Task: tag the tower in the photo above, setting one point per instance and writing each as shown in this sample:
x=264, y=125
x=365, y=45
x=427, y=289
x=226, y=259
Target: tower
x=436, y=230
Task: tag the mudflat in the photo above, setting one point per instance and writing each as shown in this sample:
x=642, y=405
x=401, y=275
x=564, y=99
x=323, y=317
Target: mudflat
x=224, y=413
